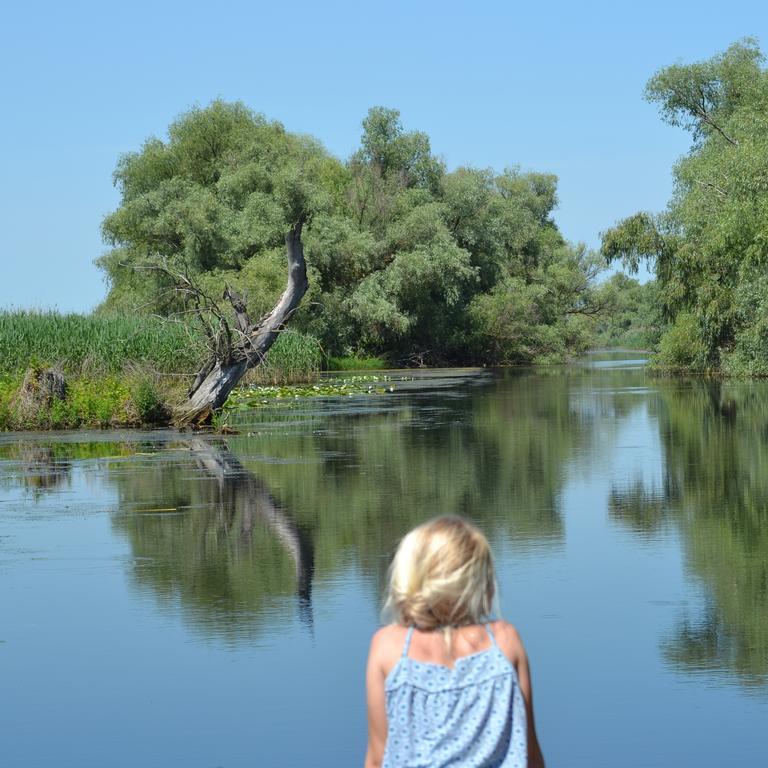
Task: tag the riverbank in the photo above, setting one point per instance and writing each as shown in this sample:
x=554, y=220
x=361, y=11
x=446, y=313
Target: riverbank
x=132, y=371
x=117, y=371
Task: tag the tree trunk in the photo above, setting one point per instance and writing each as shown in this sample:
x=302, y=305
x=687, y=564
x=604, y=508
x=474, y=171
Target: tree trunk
x=219, y=377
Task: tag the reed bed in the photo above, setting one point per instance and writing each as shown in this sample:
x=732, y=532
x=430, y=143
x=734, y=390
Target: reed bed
x=98, y=344
x=95, y=343
x=355, y=363
x=122, y=371
x=294, y=358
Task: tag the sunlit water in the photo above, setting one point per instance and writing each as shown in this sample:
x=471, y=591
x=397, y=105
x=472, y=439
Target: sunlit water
x=174, y=600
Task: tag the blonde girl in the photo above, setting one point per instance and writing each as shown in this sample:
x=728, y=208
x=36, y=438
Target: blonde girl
x=444, y=685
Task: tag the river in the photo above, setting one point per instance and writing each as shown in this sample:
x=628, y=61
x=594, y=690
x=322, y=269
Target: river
x=172, y=599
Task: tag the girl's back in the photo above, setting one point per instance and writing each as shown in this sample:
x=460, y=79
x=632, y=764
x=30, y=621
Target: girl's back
x=454, y=708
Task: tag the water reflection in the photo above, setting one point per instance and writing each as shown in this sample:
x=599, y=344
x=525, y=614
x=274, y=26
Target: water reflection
x=245, y=498
x=645, y=511
x=231, y=530
x=715, y=441
x=208, y=533
x=361, y=476
x=44, y=466
x=40, y=470
x=234, y=533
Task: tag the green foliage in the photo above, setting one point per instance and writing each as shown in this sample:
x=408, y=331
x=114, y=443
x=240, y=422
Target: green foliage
x=637, y=238
x=542, y=319
x=224, y=188
x=701, y=97
x=632, y=316
x=148, y=400
x=710, y=248
x=116, y=367
x=750, y=352
x=393, y=152
x=96, y=402
x=100, y=344
x=354, y=363
x=397, y=248
x=416, y=297
x=92, y=401
x=9, y=386
x=103, y=344
x=683, y=346
x=293, y=357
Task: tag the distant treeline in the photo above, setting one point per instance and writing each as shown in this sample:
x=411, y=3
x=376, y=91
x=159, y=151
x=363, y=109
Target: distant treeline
x=630, y=314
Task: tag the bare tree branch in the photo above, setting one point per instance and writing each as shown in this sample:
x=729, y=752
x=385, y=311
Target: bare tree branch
x=244, y=347
x=705, y=115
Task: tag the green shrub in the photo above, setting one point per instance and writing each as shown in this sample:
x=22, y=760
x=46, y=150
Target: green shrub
x=148, y=401
x=749, y=354
x=8, y=389
x=683, y=345
x=115, y=367
x=89, y=403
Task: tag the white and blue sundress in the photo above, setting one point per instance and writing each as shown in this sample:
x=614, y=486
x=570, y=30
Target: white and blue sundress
x=472, y=715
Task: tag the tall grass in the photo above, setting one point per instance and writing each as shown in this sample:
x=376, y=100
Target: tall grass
x=99, y=344
x=294, y=357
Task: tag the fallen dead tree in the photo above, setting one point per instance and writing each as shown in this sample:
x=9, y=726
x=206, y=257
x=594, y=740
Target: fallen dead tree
x=235, y=350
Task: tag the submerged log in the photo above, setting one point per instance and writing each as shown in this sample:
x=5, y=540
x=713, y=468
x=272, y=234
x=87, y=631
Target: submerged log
x=220, y=375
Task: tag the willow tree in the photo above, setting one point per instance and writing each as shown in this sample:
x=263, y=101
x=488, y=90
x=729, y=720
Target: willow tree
x=218, y=205
x=709, y=248
x=404, y=258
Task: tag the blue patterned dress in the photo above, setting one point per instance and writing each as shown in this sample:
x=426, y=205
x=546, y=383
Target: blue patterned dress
x=472, y=716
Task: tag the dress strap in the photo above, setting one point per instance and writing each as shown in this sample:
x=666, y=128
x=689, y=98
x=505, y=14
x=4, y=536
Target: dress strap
x=407, y=643
x=490, y=633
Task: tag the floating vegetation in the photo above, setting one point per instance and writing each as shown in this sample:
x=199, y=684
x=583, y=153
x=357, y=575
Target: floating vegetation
x=255, y=396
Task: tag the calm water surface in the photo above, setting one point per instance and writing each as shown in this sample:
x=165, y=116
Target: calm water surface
x=167, y=599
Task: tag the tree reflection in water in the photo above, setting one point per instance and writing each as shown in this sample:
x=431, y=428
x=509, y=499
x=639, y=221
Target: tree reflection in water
x=715, y=490
x=41, y=470
x=232, y=538
x=245, y=498
x=208, y=534
x=355, y=479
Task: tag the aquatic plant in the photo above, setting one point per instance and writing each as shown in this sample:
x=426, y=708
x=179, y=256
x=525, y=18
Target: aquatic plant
x=255, y=396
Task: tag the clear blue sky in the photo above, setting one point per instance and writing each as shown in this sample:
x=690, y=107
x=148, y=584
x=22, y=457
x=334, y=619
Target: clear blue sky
x=554, y=87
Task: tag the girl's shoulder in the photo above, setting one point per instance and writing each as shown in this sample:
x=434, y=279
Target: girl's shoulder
x=387, y=646
x=391, y=634
x=509, y=641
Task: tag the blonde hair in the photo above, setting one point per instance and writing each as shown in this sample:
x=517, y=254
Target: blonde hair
x=441, y=576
